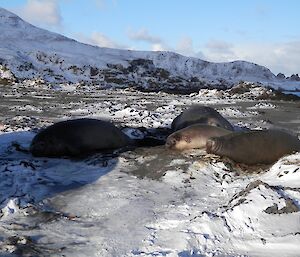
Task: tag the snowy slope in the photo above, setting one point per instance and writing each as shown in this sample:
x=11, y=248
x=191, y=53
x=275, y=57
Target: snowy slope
x=31, y=52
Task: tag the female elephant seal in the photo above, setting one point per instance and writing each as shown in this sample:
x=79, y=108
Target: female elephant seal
x=77, y=137
x=194, y=136
x=200, y=114
x=254, y=147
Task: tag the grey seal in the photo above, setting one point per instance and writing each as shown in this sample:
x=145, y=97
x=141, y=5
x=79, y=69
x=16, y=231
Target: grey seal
x=194, y=136
x=77, y=137
x=200, y=114
x=80, y=137
x=254, y=147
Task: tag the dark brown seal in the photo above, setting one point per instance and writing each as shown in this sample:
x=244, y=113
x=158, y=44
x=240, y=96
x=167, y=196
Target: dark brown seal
x=194, y=136
x=254, y=147
x=77, y=137
x=200, y=114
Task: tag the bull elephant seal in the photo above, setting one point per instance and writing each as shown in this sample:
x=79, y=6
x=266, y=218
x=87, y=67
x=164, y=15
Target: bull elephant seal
x=254, y=147
x=194, y=136
x=77, y=137
x=200, y=114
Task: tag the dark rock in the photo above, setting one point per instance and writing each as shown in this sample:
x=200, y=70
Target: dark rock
x=280, y=76
x=294, y=77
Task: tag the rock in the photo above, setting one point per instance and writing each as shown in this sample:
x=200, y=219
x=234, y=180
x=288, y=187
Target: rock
x=294, y=77
x=281, y=76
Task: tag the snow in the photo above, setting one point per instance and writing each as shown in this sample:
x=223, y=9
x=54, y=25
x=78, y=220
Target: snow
x=263, y=106
x=31, y=52
x=235, y=112
x=145, y=201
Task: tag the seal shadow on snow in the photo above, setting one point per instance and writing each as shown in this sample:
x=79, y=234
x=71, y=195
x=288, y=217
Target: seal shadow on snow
x=26, y=179
x=27, y=182
x=30, y=179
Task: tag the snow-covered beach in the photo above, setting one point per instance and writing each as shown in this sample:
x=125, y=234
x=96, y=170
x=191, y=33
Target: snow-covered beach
x=145, y=201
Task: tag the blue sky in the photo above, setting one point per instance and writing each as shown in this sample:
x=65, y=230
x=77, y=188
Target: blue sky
x=265, y=32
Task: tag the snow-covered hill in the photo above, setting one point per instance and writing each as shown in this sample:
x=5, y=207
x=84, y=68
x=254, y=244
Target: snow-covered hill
x=30, y=52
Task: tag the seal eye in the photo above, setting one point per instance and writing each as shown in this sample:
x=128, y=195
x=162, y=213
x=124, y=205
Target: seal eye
x=177, y=137
x=171, y=142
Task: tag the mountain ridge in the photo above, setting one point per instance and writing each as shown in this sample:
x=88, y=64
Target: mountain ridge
x=31, y=52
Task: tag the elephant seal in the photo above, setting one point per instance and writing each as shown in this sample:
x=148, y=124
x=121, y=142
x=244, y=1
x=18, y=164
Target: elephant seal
x=254, y=147
x=194, y=136
x=200, y=114
x=77, y=137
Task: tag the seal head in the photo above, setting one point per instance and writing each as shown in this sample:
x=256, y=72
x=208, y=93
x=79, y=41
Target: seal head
x=194, y=136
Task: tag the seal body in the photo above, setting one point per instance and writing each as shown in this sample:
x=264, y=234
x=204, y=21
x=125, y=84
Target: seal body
x=254, y=147
x=194, y=136
x=77, y=137
x=200, y=114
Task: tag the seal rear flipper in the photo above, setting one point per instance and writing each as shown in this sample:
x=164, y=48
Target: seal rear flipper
x=19, y=147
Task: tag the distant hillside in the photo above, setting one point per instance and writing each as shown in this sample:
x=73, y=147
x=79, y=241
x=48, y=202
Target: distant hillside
x=31, y=52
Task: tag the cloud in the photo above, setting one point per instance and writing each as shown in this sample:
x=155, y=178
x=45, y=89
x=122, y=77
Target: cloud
x=185, y=46
x=219, y=51
x=279, y=57
x=41, y=12
x=145, y=36
x=218, y=46
x=158, y=47
x=142, y=35
x=101, y=40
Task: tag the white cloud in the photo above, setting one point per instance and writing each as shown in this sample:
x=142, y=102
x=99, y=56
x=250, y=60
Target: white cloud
x=41, y=13
x=145, y=36
x=101, y=40
x=219, y=46
x=158, y=47
x=185, y=46
x=278, y=57
x=219, y=51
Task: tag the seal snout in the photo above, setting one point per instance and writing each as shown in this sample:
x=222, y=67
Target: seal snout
x=211, y=145
x=170, y=143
